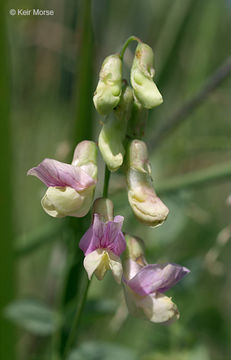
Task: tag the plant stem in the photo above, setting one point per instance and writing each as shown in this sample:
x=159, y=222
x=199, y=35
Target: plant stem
x=56, y=340
x=81, y=131
x=84, y=87
x=127, y=42
x=77, y=318
x=106, y=182
x=7, y=275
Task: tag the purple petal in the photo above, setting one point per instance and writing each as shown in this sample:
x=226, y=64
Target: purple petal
x=113, y=238
x=119, y=245
x=155, y=277
x=98, y=230
x=55, y=173
x=104, y=236
x=131, y=268
x=86, y=244
x=112, y=230
x=91, y=239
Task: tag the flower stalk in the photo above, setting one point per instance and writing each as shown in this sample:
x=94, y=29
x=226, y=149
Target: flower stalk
x=125, y=45
x=75, y=324
x=107, y=175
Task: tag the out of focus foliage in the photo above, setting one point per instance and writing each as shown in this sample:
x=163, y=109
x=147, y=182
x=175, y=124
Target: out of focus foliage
x=190, y=39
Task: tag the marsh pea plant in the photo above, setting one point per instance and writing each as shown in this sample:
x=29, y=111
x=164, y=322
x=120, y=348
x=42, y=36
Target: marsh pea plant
x=71, y=187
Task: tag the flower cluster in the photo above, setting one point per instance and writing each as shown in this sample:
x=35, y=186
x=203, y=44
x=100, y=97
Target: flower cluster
x=71, y=187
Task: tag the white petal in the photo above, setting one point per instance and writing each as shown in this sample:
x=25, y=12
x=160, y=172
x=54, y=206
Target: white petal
x=115, y=266
x=132, y=300
x=92, y=261
x=159, y=308
x=66, y=201
x=131, y=268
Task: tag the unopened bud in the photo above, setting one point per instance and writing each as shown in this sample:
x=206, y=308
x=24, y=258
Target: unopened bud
x=138, y=157
x=135, y=249
x=104, y=208
x=147, y=207
x=85, y=156
x=113, y=132
x=108, y=91
x=142, y=74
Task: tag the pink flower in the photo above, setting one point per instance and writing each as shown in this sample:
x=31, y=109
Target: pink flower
x=70, y=186
x=156, y=277
x=102, y=245
x=144, y=285
x=55, y=173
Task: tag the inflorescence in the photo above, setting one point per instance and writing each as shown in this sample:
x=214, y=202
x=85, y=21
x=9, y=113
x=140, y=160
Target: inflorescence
x=71, y=187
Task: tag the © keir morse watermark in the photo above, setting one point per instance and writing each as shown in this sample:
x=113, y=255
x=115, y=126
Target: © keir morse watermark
x=32, y=12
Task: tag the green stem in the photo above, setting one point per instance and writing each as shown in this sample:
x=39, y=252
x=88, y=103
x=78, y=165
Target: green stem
x=77, y=318
x=7, y=337
x=106, y=182
x=127, y=42
x=72, y=283
x=56, y=340
x=76, y=321
x=81, y=131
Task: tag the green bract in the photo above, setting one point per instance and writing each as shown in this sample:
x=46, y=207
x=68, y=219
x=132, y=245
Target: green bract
x=142, y=73
x=108, y=91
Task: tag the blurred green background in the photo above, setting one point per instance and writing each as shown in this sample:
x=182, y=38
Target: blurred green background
x=51, y=68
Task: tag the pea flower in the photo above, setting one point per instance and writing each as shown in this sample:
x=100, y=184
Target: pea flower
x=144, y=285
x=146, y=205
x=142, y=73
x=113, y=132
x=104, y=242
x=70, y=186
x=108, y=91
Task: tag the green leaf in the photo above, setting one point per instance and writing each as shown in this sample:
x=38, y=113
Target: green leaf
x=33, y=315
x=102, y=351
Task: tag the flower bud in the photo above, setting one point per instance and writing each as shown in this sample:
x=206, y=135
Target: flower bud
x=135, y=249
x=108, y=91
x=147, y=207
x=138, y=157
x=85, y=157
x=113, y=132
x=142, y=73
x=104, y=208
